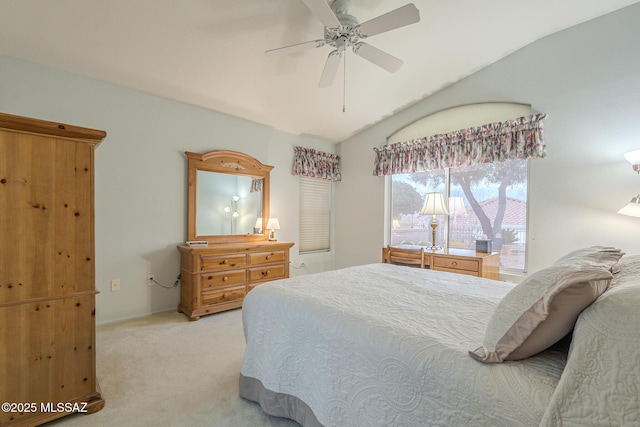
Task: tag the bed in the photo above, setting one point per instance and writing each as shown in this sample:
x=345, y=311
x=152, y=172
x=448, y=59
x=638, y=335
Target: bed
x=389, y=345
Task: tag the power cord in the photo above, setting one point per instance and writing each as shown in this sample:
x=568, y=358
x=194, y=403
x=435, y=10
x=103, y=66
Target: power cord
x=300, y=265
x=175, y=284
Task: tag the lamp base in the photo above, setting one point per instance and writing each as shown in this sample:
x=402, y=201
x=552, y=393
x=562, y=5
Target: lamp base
x=272, y=236
x=434, y=225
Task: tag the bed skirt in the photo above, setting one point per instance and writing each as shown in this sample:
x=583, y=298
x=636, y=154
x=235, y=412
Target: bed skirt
x=277, y=404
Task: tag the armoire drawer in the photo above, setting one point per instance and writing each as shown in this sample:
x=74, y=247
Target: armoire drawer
x=266, y=257
x=267, y=273
x=223, y=279
x=222, y=262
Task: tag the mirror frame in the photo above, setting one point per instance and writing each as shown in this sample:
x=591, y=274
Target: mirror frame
x=233, y=163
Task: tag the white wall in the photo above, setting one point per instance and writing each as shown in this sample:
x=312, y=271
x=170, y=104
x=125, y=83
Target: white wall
x=587, y=80
x=141, y=174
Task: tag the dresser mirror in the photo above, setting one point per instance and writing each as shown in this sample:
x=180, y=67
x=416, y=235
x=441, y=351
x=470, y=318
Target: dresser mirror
x=228, y=197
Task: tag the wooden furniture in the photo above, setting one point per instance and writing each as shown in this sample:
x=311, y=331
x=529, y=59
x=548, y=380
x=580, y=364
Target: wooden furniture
x=213, y=177
x=460, y=261
x=47, y=284
x=407, y=256
x=217, y=277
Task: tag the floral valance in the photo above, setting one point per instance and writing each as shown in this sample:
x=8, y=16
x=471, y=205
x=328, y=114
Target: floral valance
x=521, y=138
x=316, y=164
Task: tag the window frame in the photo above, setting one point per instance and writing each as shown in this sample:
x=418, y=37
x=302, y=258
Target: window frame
x=388, y=188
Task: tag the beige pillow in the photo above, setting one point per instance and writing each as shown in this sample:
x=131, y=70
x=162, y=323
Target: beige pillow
x=541, y=310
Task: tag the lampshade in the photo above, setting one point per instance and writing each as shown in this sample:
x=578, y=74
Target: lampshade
x=434, y=205
x=273, y=224
x=456, y=206
x=634, y=158
x=633, y=208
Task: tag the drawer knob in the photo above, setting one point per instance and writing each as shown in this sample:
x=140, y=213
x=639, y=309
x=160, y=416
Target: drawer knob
x=226, y=294
x=226, y=261
x=225, y=278
x=265, y=273
x=454, y=263
x=268, y=257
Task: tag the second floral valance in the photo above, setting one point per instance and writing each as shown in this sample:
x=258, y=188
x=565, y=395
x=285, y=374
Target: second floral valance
x=316, y=164
x=520, y=138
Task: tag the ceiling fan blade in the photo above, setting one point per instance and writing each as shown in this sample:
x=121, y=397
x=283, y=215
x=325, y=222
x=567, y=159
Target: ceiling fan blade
x=330, y=69
x=322, y=11
x=295, y=48
x=405, y=15
x=380, y=58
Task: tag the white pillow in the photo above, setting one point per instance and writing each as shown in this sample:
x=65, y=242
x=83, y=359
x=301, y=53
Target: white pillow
x=599, y=384
x=605, y=255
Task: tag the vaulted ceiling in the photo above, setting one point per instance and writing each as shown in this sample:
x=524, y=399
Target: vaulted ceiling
x=210, y=53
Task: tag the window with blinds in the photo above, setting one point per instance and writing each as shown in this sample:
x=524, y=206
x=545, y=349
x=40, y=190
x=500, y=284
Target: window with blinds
x=315, y=214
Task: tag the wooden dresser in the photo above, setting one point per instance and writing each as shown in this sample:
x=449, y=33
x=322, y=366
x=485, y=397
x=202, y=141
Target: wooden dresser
x=47, y=284
x=459, y=261
x=217, y=277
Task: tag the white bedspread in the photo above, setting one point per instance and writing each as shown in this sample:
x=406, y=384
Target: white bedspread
x=386, y=345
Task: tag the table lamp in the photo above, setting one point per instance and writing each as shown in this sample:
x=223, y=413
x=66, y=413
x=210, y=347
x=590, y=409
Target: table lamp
x=272, y=225
x=434, y=205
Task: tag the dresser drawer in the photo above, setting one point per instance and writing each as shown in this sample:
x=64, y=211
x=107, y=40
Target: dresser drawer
x=222, y=262
x=454, y=264
x=266, y=257
x=223, y=279
x=266, y=273
x=227, y=295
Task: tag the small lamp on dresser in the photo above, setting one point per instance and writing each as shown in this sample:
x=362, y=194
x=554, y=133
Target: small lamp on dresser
x=272, y=225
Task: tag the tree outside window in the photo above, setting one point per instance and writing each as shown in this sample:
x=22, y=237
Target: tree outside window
x=485, y=201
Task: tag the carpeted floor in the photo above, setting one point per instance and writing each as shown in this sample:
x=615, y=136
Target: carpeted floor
x=163, y=370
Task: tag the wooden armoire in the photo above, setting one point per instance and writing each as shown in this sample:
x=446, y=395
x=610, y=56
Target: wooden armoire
x=47, y=270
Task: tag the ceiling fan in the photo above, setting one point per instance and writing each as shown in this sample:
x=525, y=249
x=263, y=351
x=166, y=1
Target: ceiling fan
x=342, y=30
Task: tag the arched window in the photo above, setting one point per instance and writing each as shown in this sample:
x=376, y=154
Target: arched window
x=486, y=196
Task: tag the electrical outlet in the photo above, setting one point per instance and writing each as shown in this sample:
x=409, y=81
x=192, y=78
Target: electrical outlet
x=115, y=285
x=301, y=263
x=151, y=280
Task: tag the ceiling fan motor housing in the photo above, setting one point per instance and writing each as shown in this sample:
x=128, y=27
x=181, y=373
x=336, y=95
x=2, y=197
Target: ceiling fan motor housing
x=340, y=7
x=345, y=34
